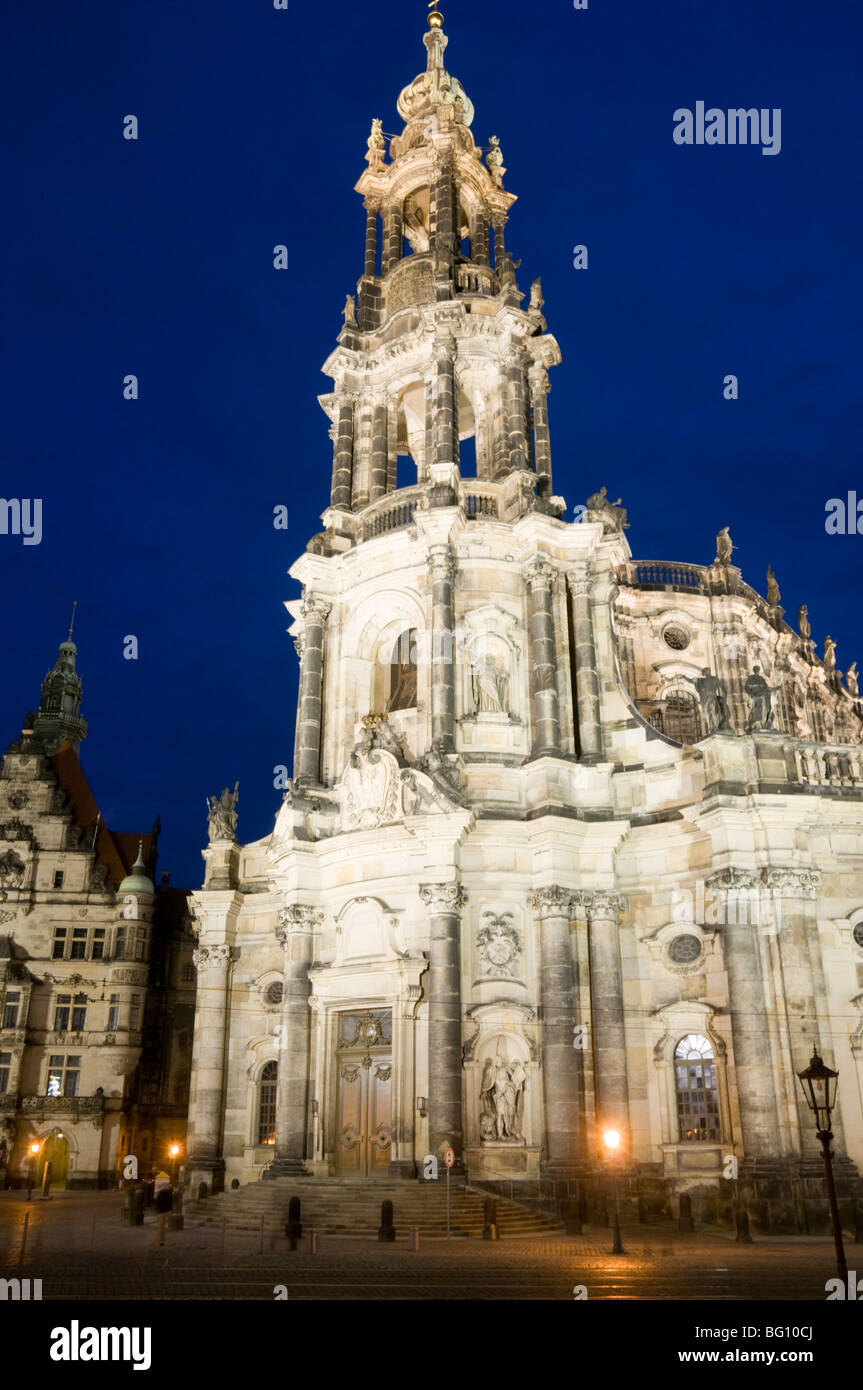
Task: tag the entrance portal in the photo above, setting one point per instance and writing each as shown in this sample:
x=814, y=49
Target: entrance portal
x=365, y=1069
x=55, y=1151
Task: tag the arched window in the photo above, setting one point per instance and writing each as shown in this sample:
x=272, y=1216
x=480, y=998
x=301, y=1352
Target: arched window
x=677, y=717
x=268, y=1086
x=403, y=673
x=695, y=1084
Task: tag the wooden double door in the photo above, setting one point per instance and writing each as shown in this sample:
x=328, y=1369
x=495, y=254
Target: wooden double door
x=365, y=1088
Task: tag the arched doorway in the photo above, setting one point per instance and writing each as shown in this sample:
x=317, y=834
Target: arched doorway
x=55, y=1151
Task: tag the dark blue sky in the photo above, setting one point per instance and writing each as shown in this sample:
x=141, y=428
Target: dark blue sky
x=155, y=258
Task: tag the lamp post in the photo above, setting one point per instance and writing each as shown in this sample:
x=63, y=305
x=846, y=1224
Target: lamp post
x=819, y=1088
x=174, y=1151
x=33, y=1150
x=611, y=1139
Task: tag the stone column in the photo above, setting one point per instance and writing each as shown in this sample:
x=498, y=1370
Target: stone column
x=443, y=228
x=544, y=668
x=444, y=902
x=539, y=390
x=442, y=572
x=380, y=452
x=371, y=264
x=753, y=1067
x=606, y=999
x=561, y=1080
x=204, y=1162
x=295, y=932
x=393, y=236
x=515, y=397
x=445, y=423
x=479, y=248
x=343, y=454
x=498, y=222
x=307, y=754
x=586, y=679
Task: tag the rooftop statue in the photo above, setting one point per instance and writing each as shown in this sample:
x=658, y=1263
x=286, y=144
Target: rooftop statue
x=851, y=679
x=222, y=817
x=803, y=622
x=613, y=514
x=829, y=654
x=725, y=547
x=761, y=701
x=773, y=594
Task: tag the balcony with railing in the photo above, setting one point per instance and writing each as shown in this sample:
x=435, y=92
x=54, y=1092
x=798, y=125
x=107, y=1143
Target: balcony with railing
x=62, y=1105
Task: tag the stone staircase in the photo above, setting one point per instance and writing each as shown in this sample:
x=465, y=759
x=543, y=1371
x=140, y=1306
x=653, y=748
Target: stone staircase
x=336, y=1207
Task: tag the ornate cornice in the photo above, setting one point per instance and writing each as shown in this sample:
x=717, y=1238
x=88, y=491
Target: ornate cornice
x=295, y=919
x=732, y=881
x=793, y=882
x=443, y=898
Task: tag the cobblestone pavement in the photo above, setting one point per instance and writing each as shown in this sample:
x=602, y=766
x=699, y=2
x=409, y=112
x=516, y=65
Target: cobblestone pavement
x=77, y=1245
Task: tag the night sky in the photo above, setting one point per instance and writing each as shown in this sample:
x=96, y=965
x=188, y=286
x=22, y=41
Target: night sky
x=155, y=257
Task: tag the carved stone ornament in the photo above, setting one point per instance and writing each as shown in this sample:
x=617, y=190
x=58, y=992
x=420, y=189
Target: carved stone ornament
x=371, y=787
x=6, y=917
x=732, y=881
x=18, y=800
x=422, y=796
x=796, y=883
x=498, y=945
x=12, y=869
x=443, y=899
x=600, y=904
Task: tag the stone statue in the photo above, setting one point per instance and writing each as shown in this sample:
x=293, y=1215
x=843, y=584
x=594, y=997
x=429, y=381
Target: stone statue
x=851, y=680
x=803, y=622
x=376, y=140
x=494, y=158
x=222, y=817
x=714, y=701
x=486, y=1097
x=761, y=701
x=536, y=299
x=773, y=594
x=350, y=311
x=829, y=654
x=613, y=514
x=490, y=688
x=460, y=110
x=724, y=547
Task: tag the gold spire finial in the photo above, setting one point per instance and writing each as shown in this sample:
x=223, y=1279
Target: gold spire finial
x=435, y=18
x=72, y=624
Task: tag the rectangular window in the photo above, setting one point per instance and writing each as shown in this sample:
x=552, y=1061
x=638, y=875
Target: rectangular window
x=98, y=950
x=121, y=943
x=55, y=1076
x=79, y=1016
x=59, y=949
x=73, y=1076
x=133, y=1018
x=79, y=943
x=61, y=1013
x=140, y=946
x=5, y=1071
x=188, y=972
x=58, y=878
x=114, y=1014
x=11, y=1008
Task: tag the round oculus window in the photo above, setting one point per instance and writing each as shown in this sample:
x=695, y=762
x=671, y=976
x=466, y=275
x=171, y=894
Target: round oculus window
x=684, y=949
x=858, y=934
x=273, y=993
x=677, y=638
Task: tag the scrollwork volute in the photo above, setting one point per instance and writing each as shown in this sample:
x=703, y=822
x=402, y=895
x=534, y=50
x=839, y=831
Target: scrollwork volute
x=552, y=902
x=297, y=919
x=220, y=956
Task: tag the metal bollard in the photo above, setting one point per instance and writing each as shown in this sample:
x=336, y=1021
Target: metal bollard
x=313, y=1242
x=414, y=1241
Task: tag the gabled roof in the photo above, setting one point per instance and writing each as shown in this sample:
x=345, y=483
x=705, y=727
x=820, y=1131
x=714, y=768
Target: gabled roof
x=117, y=849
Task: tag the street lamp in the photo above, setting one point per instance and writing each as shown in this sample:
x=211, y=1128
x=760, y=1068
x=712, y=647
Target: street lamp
x=819, y=1088
x=174, y=1151
x=33, y=1150
x=611, y=1139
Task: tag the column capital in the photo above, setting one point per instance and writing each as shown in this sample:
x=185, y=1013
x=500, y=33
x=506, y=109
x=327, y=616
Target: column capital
x=793, y=883
x=552, y=901
x=599, y=903
x=732, y=881
x=539, y=573
x=441, y=563
x=297, y=919
x=443, y=898
x=204, y=956
x=315, y=609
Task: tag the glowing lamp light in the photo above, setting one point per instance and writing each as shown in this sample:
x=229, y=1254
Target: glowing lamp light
x=174, y=1150
x=611, y=1139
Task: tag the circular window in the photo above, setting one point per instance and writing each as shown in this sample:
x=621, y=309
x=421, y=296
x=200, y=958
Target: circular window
x=273, y=993
x=684, y=949
x=677, y=638
x=858, y=934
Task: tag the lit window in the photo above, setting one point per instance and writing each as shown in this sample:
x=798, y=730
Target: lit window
x=64, y=1075
x=267, y=1103
x=11, y=1008
x=697, y=1096
x=59, y=949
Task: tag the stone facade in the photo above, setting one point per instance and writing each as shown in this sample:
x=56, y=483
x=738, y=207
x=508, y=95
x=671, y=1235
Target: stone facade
x=533, y=878
x=82, y=929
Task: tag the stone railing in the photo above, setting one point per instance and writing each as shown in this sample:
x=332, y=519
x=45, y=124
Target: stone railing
x=475, y=279
x=394, y=517
x=63, y=1105
x=664, y=574
x=9, y=1101
x=478, y=505
x=823, y=765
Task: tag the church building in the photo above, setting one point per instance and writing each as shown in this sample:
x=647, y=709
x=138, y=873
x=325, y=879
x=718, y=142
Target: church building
x=572, y=847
